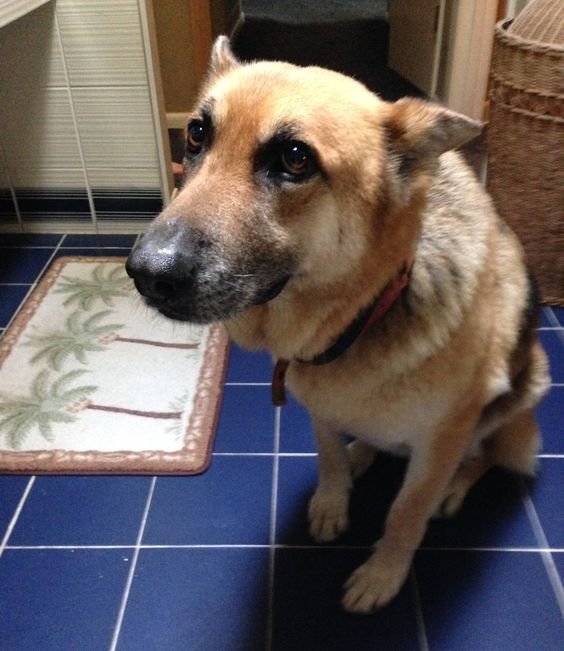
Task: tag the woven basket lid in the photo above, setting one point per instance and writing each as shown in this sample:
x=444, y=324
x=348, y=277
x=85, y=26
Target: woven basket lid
x=541, y=21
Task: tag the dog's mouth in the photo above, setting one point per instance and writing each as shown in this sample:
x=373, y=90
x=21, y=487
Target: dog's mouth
x=171, y=313
x=187, y=281
x=198, y=307
x=270, y=293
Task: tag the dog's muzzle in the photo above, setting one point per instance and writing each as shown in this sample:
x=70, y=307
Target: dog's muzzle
x=182, y=275
x=162, y=269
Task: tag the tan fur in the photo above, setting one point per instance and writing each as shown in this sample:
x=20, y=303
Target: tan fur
x=446, y=377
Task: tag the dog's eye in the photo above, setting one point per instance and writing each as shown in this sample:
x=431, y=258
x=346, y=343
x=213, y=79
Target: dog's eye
x=297, y=159
x=284, y=160
x=195, y=136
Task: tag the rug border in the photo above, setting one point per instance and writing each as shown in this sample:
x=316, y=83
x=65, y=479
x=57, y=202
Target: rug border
x=203, y=422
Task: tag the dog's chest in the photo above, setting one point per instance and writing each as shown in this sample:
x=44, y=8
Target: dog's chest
x=392, y=417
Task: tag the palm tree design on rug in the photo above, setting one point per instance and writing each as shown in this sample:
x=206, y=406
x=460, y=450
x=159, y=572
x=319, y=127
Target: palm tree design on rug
x=76, y=339
x=89, y=335
x=45, y=406
x=56, y=401
x=104, y=284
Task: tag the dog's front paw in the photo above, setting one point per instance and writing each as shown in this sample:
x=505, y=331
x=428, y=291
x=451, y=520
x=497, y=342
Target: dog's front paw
x=328, y=515
x=374, y=584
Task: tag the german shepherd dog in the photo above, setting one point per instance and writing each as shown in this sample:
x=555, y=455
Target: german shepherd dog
x=342, y=234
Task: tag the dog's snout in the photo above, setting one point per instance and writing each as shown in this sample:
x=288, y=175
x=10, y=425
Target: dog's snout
x=161, y=270
x=158, y=283
x=165, y=288
x=158, y=288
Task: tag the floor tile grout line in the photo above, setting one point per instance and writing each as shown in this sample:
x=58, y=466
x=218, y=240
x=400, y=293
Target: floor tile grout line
x=95, y=247
x=419, y=619
x=87, y=246
x=31, y=246
x=247, y=384
x=130, y=576
x=501, y=550
x=264, y=454
x=267, y=384
x=15, y=517
x=272, y=532
x=131, y=547
x=299, y=455
x=552, y=317
x=546, y=553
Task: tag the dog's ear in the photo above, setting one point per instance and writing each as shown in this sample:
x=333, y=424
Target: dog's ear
x=222, y=58
x=421, y=130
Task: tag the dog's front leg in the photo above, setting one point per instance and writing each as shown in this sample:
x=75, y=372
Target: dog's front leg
x=429, y=472
x=329, y=506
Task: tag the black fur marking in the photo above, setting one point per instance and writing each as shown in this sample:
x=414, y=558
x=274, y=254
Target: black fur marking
x=531, y=312
x=408, y=163
x=520, y=375
x=502, y=226
x=454, y=273
x=437, y=280
x=406, y=301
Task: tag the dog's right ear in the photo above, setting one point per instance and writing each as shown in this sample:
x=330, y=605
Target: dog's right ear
x=222, y=58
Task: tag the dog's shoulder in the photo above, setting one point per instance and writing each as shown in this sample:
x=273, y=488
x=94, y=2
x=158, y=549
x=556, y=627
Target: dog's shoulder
x=466, y=260
x=457, y=222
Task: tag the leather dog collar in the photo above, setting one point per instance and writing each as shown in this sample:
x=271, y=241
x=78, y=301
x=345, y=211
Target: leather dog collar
x=374, y=312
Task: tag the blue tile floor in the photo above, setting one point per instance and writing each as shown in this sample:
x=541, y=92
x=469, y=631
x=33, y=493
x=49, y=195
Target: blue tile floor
x=223, y=561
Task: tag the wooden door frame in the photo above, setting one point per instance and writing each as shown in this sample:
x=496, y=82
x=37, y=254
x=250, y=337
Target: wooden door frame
x=467, y=69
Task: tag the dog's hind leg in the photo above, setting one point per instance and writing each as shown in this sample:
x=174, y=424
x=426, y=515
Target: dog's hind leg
x=469, y=472
x=329, y=506
x=513, y=446
x=508, y=432
x=361, y=457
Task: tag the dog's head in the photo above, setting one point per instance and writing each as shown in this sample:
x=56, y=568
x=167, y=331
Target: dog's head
x=295, y=180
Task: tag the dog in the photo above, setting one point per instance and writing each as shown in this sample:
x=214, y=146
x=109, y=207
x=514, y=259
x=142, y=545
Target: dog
x=344, y=234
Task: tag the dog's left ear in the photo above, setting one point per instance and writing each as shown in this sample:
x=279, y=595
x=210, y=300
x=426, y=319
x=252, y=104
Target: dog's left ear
x=222, y=58
x=421, y=130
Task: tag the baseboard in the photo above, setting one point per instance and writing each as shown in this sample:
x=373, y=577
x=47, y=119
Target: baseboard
x=69, y=210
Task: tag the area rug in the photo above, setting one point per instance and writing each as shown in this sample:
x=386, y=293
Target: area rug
x=92, y=381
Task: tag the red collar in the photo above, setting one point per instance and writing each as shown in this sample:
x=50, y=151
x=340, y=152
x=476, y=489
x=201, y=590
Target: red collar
x=374, y=312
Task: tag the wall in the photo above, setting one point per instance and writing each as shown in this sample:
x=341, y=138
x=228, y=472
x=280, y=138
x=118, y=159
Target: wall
x=79, y=149
x=13, y=9
x=185, y=30
x=173, y=19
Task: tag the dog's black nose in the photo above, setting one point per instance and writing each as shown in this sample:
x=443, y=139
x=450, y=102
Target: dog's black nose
x=155, y=281
x=161, y=269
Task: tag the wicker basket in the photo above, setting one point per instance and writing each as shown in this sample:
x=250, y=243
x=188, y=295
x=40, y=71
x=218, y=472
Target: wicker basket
x=526, y=150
